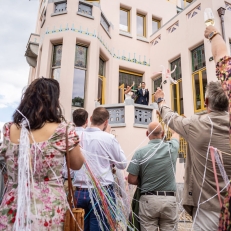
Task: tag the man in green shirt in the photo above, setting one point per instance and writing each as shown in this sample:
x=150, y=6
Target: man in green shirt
x=154, y=165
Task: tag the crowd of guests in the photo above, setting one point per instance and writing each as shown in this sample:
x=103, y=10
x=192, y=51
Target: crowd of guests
x=152, y=167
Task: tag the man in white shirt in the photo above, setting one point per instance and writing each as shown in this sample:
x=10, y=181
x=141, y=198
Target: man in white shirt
x=101, y=151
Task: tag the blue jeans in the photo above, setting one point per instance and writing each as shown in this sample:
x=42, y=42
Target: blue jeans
x=90, y=220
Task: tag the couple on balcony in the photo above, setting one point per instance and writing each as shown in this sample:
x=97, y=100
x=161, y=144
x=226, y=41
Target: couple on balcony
x=140, y=96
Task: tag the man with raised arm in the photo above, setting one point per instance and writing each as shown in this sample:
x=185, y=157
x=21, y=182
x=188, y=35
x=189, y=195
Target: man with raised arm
x=154, y=166
x=201, y=131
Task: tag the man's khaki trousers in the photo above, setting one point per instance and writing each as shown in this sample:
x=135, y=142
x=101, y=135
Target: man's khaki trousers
x=158, y=211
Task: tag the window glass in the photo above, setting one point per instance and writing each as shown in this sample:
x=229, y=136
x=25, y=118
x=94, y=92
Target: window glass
x=155, y=25
x=56, y=73
x=101, y=67
x=181, y=98
x=177, y=73
x=78, y=88
x=81, y=56
x=174, y=97
x=198, y=58
x=197, y=91
x=128, y=79
x=156, y=83
x=124, y=20
x=100, y=90
x=140, y=25
x=57, y=55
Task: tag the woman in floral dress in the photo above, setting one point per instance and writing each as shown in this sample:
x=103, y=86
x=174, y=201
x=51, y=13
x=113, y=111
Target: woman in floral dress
x=40, y=105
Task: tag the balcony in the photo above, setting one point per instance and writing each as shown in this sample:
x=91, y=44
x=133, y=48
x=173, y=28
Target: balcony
x=32, y=50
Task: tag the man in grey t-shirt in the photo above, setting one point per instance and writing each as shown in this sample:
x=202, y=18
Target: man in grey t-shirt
x=154, y=165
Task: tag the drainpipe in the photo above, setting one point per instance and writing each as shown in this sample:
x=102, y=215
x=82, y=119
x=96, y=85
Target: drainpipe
x=221, y=13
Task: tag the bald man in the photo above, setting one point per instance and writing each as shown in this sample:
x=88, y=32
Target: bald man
x=153, y=168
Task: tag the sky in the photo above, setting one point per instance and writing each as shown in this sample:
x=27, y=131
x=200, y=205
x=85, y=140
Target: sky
x=17, y=22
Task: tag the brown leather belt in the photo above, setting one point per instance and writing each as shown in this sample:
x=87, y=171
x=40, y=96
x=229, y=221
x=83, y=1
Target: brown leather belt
x=159, y=193
x=110, y=186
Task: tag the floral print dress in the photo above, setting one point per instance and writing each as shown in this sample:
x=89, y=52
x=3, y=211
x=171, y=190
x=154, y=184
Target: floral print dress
x=223, y=72
x=48, y=193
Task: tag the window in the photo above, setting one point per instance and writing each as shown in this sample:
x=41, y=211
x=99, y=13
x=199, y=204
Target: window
x=124, y=20
x=199, y=78
x=104, y=23
x=60, y=7
x=56, y=62
x=126, y=78
x=198, y=58
x=101, y=82
x=43, y=17
x=141, y=25
x=156, y=83
x=78, y=93
x=230, y=46
x=155, y=25
x=177, y=89
x=85, y=8
x=199, y=86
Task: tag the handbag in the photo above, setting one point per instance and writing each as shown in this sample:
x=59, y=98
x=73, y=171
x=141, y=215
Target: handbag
x=74, y=219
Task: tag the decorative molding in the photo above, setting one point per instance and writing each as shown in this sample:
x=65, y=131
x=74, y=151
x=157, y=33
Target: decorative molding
x=173, y=27
x=228, y=6
x=194, y=12
x=156, y=40
x=102, y=41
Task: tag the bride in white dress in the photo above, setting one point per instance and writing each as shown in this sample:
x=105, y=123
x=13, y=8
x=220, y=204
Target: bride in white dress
x=128, y=93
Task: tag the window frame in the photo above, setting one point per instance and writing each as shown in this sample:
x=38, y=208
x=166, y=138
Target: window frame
x=128, y=21
x=57, y=3
x=144, y=25
x=158, y=22
x=203, y=108
x=103, y=78
x=177, y=96
x=86, y=4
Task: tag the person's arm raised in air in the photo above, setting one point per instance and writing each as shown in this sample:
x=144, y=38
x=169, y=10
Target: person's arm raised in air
x=178, y=123
x=218, y=46
x=129, y=89
x=76, y=158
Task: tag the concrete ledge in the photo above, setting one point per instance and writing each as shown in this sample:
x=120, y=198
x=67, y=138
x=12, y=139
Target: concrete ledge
x=143, y=106
x=85, y=15
x=140, y=126
x=142, y=39
x=126, y=34
x=59, y=13
x=118, y=125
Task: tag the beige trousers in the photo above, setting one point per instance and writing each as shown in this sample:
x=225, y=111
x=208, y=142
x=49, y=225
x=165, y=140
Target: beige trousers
x=158, y=211
x=206, y=220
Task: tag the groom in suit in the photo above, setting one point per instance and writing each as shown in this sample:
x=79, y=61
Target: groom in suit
x=143, y=95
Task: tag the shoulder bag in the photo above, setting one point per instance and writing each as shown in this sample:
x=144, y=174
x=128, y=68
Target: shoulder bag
x=74, y=219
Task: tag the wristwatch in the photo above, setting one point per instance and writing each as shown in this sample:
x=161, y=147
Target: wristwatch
x=212, y=35
x=159, y=100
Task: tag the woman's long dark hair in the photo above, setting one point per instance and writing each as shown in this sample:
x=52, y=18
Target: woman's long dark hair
x=40, y=104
